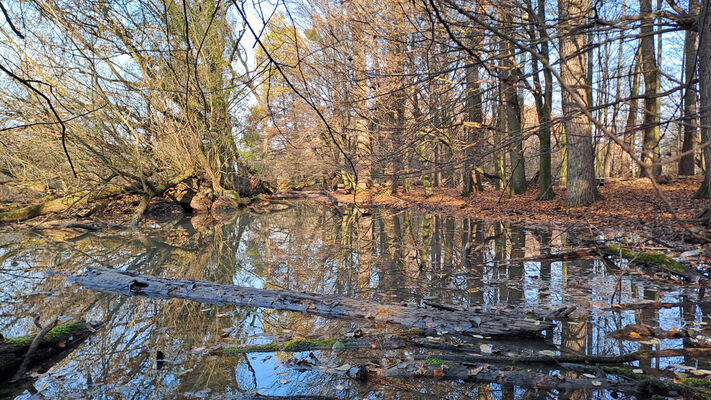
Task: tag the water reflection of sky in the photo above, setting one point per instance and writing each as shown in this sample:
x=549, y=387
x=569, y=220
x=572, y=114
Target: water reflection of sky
x=385, y=256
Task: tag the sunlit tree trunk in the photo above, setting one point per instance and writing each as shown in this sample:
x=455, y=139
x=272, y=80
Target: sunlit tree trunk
x=686, y=162
x=543, y=99
x=650, y=72
x=580, y=186
x=475, y=117
x=509, y=77
x=704, y=62
x=363, y=146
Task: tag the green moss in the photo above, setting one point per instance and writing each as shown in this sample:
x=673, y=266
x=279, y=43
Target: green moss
x=307, y=344
x=21, y=341
x=658, y=259
x=437, y=362
x=253, y=348
x=57, y=333
x=624, y=371
x=63, y=331
x=696, y=382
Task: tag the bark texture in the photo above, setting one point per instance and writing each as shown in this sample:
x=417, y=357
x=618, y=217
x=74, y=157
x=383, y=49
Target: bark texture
x=469, y=322
x=580, y=186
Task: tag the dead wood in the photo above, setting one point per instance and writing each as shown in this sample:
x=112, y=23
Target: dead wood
x=567, y=255
x=639, y=384
x=33, y=347
x=29, y=352
x=569, y=359
x=467, y=323
x=656, y=261
x=295, y=397
x=656, y=305
x=642, y=331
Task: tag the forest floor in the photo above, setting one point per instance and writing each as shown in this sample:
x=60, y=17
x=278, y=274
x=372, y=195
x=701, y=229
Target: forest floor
x=631, y=210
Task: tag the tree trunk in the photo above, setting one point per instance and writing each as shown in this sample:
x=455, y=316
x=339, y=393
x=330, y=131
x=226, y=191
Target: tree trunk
x=650, y=72
x=363, y=147
x=475, y=117
x=627, y=169
x=509, y=79
x=704, y=62
x=686, y=162
x=544, y=100
x=580, y=186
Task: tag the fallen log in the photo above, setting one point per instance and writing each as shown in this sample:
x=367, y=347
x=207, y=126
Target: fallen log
x=435, y=369
x=617, y=379
x=474, y=358
x=317, y=344
x=62, y=204
x=294, y=397
x=384, y=341
x=466, y=323
x=55, y=343
x=656, y=261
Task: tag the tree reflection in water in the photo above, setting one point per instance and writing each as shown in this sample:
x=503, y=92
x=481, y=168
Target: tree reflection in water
x=386, y=256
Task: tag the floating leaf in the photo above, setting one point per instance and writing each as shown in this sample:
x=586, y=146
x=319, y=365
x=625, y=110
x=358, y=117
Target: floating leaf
x=344, y=367
x=475, y=371
x=549, y=353
x=283, y=381
x=485, y=348
x=596, y=383
x=691, y=253
x=591, y=376
x=338, y=346
x=635, y=335
x=638, y=371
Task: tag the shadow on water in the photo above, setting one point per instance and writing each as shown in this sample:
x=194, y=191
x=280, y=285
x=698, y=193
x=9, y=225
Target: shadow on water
x=385, y=256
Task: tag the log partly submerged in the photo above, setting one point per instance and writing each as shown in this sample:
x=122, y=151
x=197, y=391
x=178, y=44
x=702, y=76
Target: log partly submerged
x=462, y=322
x=51, y=347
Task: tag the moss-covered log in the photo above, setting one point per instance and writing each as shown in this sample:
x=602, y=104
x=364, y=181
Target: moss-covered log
x=657, y=261
x=55, y=343
x=24, y=212
x=395, y=340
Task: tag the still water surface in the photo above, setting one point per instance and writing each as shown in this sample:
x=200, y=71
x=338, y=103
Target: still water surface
x=385, y=256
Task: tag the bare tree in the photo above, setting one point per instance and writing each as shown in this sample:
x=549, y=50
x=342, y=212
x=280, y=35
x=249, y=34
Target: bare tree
x=581, y=187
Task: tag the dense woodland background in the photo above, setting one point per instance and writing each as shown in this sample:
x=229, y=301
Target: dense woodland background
x=231, y=98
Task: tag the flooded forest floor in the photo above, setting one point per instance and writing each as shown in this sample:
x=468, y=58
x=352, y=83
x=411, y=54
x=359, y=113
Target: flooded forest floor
x=404, y=296
x=631, y=210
